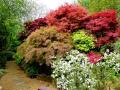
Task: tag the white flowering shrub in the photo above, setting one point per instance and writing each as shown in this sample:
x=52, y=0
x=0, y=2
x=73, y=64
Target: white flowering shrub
x=108, y=69
x=116, y=46
x=74, y=72
x=112, y=61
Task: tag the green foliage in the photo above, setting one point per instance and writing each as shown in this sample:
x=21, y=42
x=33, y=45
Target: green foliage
x=108, y=70
x=106, y=48
x=4, y=56
x=82, y=41
x=99, y=5
x=116, y=46
x=12, y=13
x=32, y=69
x=3, y=59
x=2, y=72
x=10, y=21
x=18, y=58
x=112, y=61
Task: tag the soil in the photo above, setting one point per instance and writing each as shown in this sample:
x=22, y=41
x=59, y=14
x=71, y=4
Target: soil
x=16, y=79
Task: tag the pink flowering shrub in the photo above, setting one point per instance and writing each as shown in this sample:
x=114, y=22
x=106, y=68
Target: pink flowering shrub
x=67, y=18
x=94, y=57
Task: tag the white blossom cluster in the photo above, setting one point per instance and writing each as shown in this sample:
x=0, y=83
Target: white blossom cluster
x=74, y=72
x=112, y=60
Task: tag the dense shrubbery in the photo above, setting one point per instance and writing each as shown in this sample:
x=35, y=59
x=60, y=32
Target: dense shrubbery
x=7, y=34
x=11, y=14
x=3, y=59
x=92, y=34
x=67, y=18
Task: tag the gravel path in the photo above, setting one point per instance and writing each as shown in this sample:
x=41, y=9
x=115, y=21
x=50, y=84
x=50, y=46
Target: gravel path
x=16, y=79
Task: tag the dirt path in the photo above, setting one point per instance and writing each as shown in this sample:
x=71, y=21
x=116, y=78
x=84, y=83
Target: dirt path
x=16, y=79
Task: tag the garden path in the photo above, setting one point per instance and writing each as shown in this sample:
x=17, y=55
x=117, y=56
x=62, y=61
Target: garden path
x=16, y=79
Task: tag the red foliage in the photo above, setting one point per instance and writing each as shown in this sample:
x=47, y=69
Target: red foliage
x=94, y=57
x=103, y=25
x=67, y=18
x=102, y=21
x=36, y=24
x=117, y=31
x=31, y=26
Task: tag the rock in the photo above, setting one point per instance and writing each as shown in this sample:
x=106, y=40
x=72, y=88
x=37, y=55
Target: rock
x=44, y=88
x=0, y=87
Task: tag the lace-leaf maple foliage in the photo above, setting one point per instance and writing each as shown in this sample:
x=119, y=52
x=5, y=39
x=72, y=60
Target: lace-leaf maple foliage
x=67, y=18
x=44, y=44
x=103, y=25
x=31, y=26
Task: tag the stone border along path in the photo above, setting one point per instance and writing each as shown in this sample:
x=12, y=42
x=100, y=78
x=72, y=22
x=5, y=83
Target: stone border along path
x=16, y=79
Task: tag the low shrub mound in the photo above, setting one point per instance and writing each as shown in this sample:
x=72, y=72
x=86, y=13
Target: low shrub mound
x=82, y=41
x=42, y=45
x=67, y=18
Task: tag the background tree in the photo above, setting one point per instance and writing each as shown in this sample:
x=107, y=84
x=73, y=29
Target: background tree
x=12, y=15
x=99, y=5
